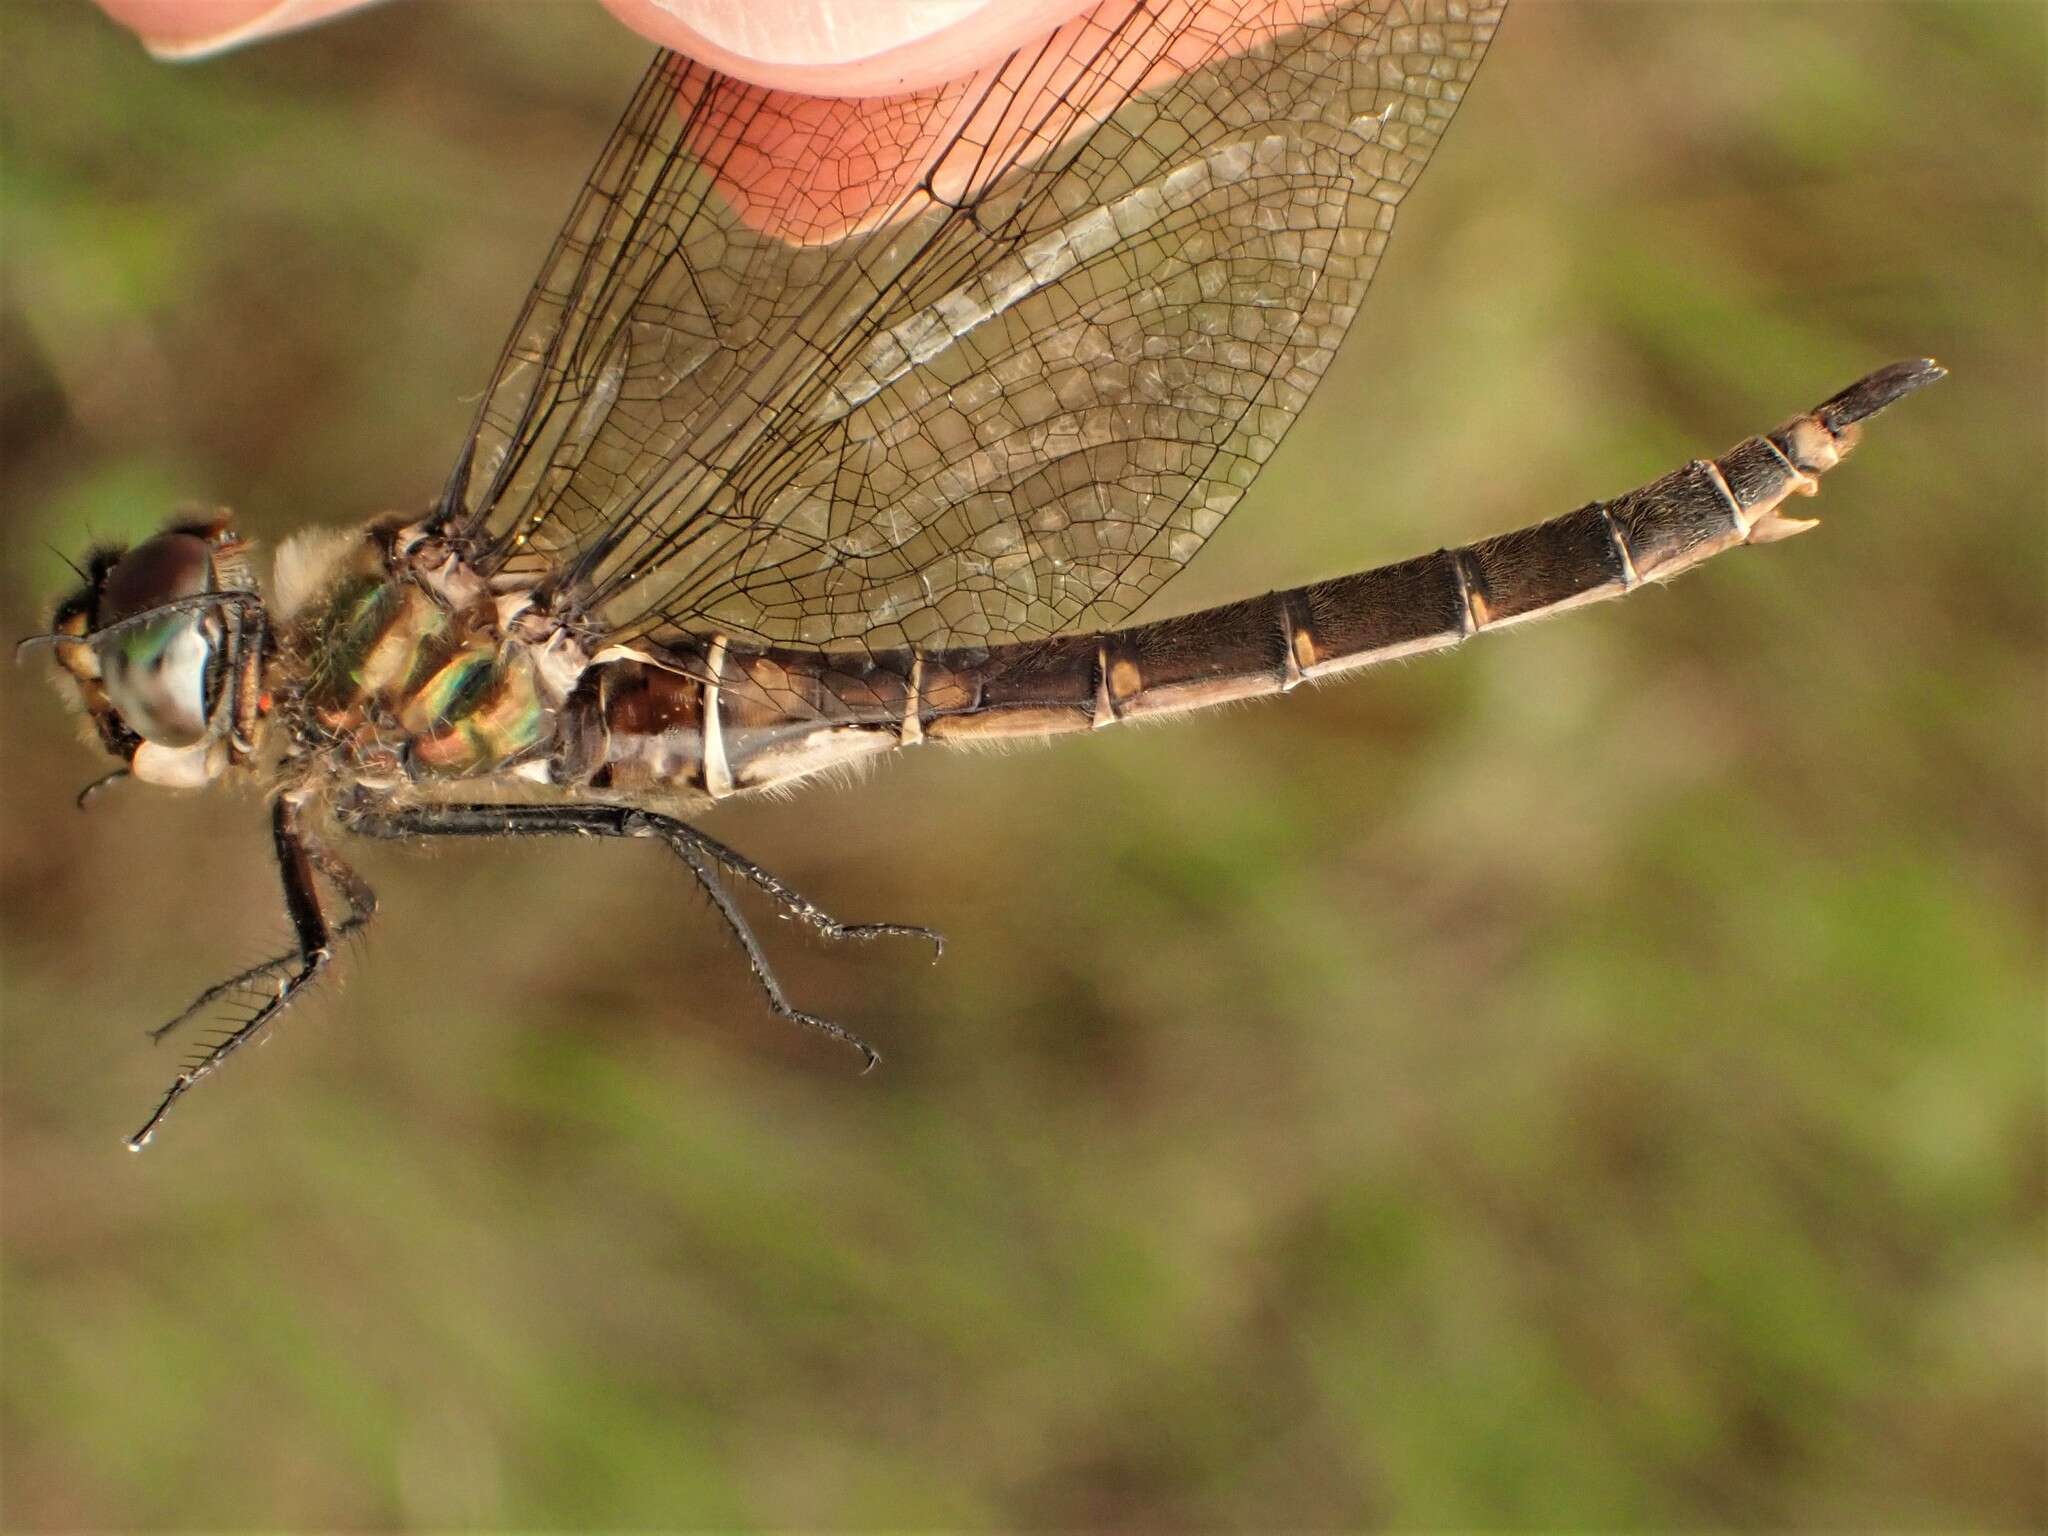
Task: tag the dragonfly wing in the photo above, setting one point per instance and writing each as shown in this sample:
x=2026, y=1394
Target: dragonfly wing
x=983, y=362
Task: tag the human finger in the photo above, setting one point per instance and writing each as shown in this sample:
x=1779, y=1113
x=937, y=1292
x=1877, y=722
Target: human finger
x=820, y=47
x=845, y=47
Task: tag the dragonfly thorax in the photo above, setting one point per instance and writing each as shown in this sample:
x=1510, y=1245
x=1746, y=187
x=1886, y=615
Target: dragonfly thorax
x=400, y=662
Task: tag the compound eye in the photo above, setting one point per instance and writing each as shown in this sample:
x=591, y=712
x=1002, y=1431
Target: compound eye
x=160, y=676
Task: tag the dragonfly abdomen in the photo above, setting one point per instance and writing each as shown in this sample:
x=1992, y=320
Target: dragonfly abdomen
x=715, y=716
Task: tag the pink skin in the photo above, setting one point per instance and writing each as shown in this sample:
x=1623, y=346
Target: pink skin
x=818, y=47
x=807, y=164
x=809, y=169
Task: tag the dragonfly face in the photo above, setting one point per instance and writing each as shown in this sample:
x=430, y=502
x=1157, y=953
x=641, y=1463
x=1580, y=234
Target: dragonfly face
x=149, y=650
x=833, y=427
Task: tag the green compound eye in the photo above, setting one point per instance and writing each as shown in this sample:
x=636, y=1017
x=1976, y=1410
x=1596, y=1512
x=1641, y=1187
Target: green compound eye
x=157, y=678
x=158, y=675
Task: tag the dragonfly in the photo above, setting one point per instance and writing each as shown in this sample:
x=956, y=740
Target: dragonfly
x=837, y=426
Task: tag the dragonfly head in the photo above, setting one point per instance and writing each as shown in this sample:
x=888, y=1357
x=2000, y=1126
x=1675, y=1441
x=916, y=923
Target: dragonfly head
x=151, y=649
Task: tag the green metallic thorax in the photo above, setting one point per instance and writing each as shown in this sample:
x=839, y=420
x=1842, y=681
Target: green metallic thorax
x=390, y=669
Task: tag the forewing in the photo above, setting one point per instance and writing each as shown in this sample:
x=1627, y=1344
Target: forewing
x=984, y=362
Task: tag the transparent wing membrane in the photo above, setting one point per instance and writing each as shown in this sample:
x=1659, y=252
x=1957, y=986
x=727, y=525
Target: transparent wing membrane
x=981, y=363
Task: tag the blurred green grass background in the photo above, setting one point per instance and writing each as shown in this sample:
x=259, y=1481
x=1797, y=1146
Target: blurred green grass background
x=1595, y=1079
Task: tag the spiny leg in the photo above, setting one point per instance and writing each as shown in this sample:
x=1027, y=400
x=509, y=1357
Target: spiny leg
x=698, y=852
x=779, y=1005
x=680, y=835
x=362, y=906
x=296, y=857
x=619, y=821
x=241, y=981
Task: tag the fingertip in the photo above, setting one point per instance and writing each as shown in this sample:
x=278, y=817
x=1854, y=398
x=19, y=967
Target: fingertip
x=845, y=47
x=179, y=30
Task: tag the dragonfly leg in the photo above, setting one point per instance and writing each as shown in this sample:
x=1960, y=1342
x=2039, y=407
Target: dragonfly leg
x=362, y=906
x=297, y=857
x=721, y=898
x=701, y=854
x=680, y=835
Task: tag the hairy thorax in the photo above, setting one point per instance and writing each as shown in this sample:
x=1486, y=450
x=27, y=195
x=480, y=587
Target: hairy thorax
x=400, y=666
